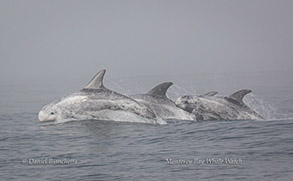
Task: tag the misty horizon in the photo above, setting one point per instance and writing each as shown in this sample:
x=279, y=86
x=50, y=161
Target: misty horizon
x=52, y=40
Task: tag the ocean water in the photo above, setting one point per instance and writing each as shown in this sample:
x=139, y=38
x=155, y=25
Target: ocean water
x=179, y=150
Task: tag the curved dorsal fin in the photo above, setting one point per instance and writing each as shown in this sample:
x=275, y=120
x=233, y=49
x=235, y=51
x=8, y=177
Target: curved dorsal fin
x=210, y=94
x=160, y=89
x=240, y=94
x=97, y=81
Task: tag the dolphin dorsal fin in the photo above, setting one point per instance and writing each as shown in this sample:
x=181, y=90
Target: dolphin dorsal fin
x=160, y=89
x=240, y=94
x=210, y=94
x=97, y=81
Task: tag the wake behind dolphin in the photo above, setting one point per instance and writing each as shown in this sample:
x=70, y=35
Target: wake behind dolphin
x=97, y=102
x=211, y=107
x=163, y=107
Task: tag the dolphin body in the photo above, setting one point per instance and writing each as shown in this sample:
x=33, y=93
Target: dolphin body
x=163, y=107
x=211, y=107
x=97, y=102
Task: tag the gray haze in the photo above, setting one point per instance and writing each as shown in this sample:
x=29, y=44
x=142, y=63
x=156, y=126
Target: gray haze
x=53, y=40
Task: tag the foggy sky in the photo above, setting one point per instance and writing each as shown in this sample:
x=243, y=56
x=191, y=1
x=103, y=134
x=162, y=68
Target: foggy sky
x=48, y=40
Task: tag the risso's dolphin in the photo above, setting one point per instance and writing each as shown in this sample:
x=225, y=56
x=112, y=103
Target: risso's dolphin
x=211, y=107
x=163, y=107
x=97, y=102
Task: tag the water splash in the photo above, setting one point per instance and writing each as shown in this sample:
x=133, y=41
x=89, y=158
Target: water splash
x=176, y=91
x=260, y=106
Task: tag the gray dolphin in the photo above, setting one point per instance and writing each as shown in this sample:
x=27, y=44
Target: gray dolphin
x=97, y=102
x=211, y=107
x=163, y=107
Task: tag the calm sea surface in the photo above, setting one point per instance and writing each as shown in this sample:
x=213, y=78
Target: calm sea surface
x=179, y=150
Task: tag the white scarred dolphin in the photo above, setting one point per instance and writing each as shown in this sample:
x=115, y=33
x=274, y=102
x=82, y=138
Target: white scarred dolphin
x=97, y=102
x=211, y=107
x=163, y=107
